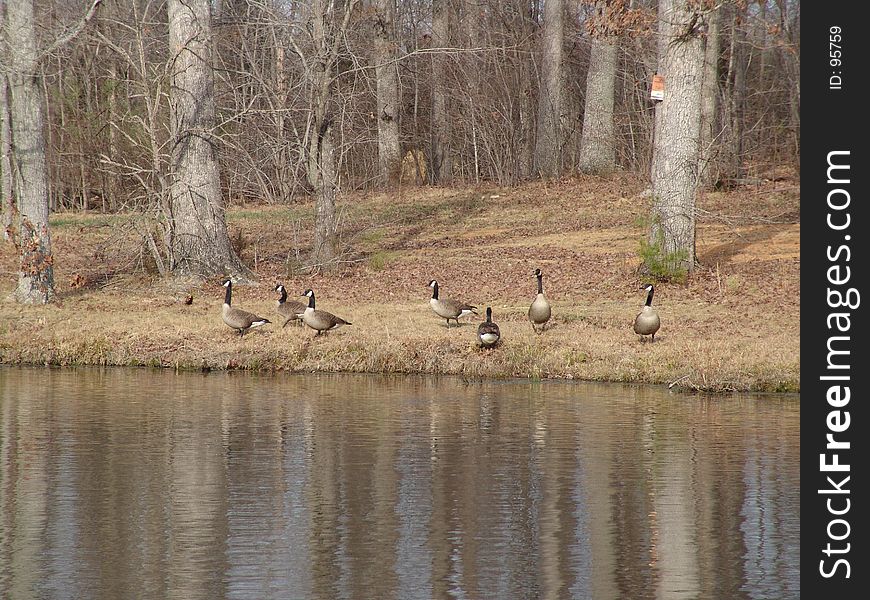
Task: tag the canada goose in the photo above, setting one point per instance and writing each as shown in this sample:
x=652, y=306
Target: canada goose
x=447, y=308
x=647, y=321
x=539, y=311
x=487, y=332
x=320, y=320
x=291, y=310
x=238, y=319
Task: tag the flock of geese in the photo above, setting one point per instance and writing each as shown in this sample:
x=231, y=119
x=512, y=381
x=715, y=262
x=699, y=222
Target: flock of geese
x=647, y=321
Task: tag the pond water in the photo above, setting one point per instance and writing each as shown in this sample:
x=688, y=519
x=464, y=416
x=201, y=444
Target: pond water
x=124, y=483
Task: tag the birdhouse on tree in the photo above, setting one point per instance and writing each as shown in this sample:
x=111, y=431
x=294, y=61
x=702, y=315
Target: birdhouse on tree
x=657, y=91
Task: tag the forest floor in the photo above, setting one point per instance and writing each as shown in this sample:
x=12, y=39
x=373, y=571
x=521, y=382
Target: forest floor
x=734, y=325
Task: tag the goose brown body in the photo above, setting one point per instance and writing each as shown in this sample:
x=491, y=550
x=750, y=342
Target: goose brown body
x=320, y=320
x=291, y=310
x=447, y=308
x=540, y=311
x=488, y=332
x=238, y=319
x=647, y=321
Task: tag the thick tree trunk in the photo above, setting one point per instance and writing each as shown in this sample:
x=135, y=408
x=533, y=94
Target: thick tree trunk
x=386, y=74
x=597, y=150
x=321, y=168
x=675, y=153
x=36, y=274
x=710, y=129
x=328, y=29
x=200, y=243
x=551, y=99
x=441, y=157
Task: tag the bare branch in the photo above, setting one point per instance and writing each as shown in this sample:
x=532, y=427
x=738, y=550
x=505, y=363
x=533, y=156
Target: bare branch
x=74, y=32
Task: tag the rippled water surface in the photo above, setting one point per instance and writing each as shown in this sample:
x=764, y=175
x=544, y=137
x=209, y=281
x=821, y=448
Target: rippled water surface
x=139, y=484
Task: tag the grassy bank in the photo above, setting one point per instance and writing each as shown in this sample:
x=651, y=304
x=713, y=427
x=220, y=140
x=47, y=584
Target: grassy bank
x=733, y=326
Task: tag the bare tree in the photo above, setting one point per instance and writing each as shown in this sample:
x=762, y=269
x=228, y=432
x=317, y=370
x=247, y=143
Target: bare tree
x=597, y=145
x=386, y=74
x=487, y=89
x=552, y=103
x=36, y=272
x=328, y=27
x=710, y=101
x=526, y=106
x=678, y=119
x=200, y=243
x=789, y=49
x=441, y=167
x=731, y=163
x=7, y=201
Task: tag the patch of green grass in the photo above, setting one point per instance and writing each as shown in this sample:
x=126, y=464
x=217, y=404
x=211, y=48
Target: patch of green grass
x=641, y=221
x=60, y=220
x=372, y=237
x=660, y=264
x=289, y=213
x=574, y=358
x=379, y=260
x=732, y=283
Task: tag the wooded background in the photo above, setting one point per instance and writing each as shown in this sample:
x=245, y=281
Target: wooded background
x=319, y=97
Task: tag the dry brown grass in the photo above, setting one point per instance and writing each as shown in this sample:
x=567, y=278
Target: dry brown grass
x=733, y=326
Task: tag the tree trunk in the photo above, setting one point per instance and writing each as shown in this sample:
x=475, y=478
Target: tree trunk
x=731, y=166
x=551, y=100
x=791, y=57
x=36, y=274
x=7, y=201
x=386, y=74
x=200, y=243
x=597, y=151
x=442, y=159
x=327, y=30
x=321, y=175
x=283, y=160
x=710, y=129
x=526, y=154
x=678, y=120
x=325, y=224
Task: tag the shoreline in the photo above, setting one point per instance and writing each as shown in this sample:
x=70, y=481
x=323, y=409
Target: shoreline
x=465, y=380
x=733, y=325
x=410, y=342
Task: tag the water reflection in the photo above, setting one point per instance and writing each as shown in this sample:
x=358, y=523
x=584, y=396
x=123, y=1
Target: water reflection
x=145, y=484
